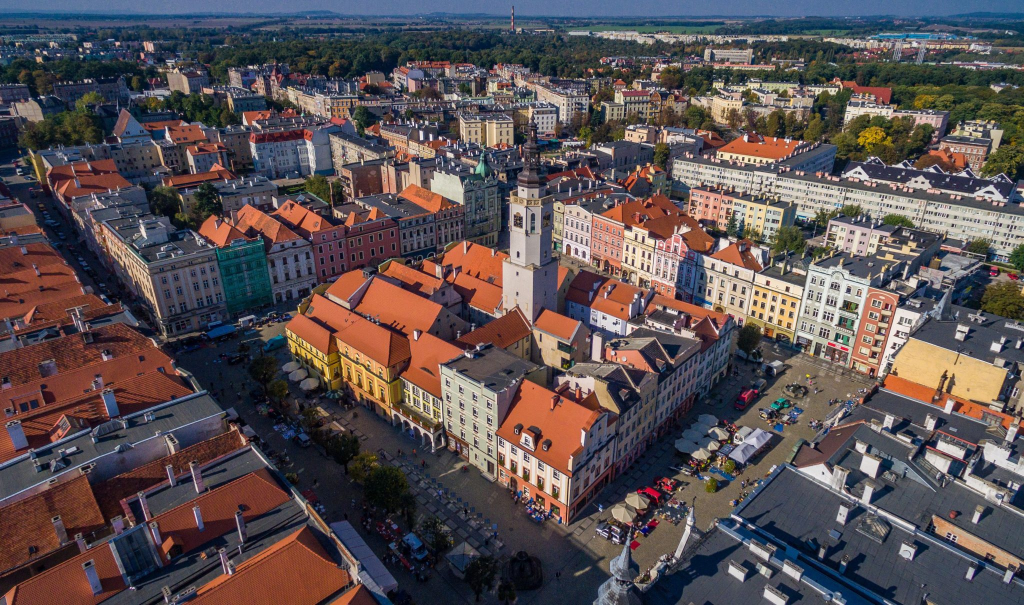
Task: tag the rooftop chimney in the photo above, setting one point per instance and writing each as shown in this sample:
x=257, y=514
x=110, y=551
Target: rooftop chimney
x=870, y=465
x=930, y=421
x=80, y=540
x=416, y=334
x=839, y=475
x=118, y=525
x=197, y=476
x=59, y=529
x=949, y=405
x=844, y=512
x=144, y=505
x=240, y=525
x=199, y=517
x=971, y=569
x=110, y=403
x=869, y=491
x=1008, y=575
x=978, y=512
x=890, y=419
x=1011, y=433
x=171, y=478
x=89, y=567
x=908, y=550
x=17, y=435
x=154, y=528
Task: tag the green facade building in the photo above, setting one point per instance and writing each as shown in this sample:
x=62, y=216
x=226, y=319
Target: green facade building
x=243, y=270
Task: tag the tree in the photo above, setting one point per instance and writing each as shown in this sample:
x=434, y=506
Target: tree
x=897, y=220
x=789, y=239
x=506, y=592
x=671, y=78
x=206, y=204
x=1004, y=299
x=362, y=465
x=711, y=485
x=164, y=201
x=436, y=535
x=732, y=228
x=385, y=486
x=749, y=338
x=1017, y=257
x=89, y=99
x=343, y=448
x=815, y=128
x=871, y=139
x=851, y=210
x=661, y=152
x=262, y=370
x=480, y=575
x=729, y=466
x=278, y=390
x=822, y=217
x=319, y=186
x=979, y=246
x=1008, y=160
x=364, y=118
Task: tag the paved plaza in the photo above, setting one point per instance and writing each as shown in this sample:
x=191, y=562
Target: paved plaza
x=574, y=558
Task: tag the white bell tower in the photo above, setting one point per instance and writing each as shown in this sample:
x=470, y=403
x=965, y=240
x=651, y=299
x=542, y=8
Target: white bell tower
x=530, y=275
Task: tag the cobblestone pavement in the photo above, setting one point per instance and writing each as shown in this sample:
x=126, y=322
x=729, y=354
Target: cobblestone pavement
x=575, y=550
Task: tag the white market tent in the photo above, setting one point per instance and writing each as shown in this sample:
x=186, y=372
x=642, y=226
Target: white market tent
x=372, y=571
x=751, y=445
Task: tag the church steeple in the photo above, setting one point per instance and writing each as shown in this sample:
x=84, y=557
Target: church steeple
x=532, y=175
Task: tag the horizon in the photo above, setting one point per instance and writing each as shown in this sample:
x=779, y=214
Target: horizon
x=646, y=9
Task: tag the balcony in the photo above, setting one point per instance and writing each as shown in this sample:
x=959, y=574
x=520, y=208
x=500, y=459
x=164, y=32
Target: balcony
x=566, y=348
x=849, y=307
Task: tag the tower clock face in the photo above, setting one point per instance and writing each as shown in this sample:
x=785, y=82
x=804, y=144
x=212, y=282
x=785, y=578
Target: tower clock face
x=517, y=221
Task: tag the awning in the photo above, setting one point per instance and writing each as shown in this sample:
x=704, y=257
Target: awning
x=297, y=375
x=741, y=434
x=753, y=443
x=290, y=367
x=718, y=433
x=693, y=435
x=309, y=384
x=685, y=446
x=378, y=575
x=623, y=513
x=701, y=454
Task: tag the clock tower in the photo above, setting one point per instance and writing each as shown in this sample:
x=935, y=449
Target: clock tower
x=530, y=274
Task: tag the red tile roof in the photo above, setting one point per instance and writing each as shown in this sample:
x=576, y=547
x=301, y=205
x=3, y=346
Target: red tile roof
x=739, y=254
x=473, y=259
x=609, y=296
x=413, y=279
x=84, y=178
x=254, y=494
x=296, y=569
x=771, y=148
x=557, y=325
x=220, y=233
x=251, y=220
x=477, y=293
x=926, y=394
x=882, y=94
x=399, y=309
x=426, y=199
x=67, y=582
x=561, y=423
x=427, y=354
x=503, y=332
x=302, y=219
x=185, y=133
x=28, y=523
x=184, y=181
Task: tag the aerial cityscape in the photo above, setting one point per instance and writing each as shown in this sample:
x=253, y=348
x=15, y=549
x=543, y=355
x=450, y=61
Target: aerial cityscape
x=455, y=305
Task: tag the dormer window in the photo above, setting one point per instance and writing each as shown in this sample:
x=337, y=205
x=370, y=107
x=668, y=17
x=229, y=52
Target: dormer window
x=518, y=429
x=526, y=441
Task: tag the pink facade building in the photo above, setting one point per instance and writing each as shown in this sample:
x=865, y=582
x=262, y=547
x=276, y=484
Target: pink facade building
x=711, y=206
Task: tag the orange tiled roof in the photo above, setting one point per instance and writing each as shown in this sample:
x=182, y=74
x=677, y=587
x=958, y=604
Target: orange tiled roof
x=925, y=394
x=301, y=219
x=253, y=220
x=67, y=583
x=503, y=332
x=220, y=232
x=477, y=293
x=346, y=285
x=611, y=296
x=185, y=134
x=398, y=309
x=151, y=126
x=27, y=524
x=426, y=199
x=690, y=230
x=561, y=423
x=205, y=148
x=881, y=93
x=413, y=280
x=296, y=569
x=557, y=325
x=427, y=353
x=474, y=259
x=57, y=310
x=771, y=148
x=84, y=178
x=739, y=254
x=376, y=342
x=251, y=117
x=183, y=181
x=254, y=494
x=110, y=492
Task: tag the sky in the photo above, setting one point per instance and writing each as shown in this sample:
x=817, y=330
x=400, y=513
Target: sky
x=595, y=8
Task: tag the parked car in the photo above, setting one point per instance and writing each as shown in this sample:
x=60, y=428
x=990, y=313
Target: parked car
x=416, y=547
x=302, y=440
x=1013, y=276
x=760, y=385
x=993, y=271
x=745, y=398
x=651, y=494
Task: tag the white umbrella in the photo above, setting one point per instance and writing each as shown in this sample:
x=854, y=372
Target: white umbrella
x=686, y=447
x=637, y=501
x=290, y=367
x=309, y=384
x=701, y=454
x=693, y=434
x=707, y=419
x=717, y=432
x=709, y=444
x=297, y=375
x=623, y=513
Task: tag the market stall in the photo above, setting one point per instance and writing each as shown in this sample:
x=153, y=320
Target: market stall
x=752, y=445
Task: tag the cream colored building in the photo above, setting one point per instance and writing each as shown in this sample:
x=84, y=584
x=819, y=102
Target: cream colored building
x=173, y=272
x=487, y=130
x=722, y=107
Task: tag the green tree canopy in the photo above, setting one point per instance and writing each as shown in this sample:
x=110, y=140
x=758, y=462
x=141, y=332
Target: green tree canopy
x=480, y=574
x=319, y=186
x=851, y=210
x=749, y=338
x=362, y=465
x=1017, y=257
x=789, y=239
x=277, y=390
x=661, y=153
x=385, y=486
x=164, y=201
x=263, y=369
x=1008, y=160
x=1004, y=299
x=979, y=246
x=897, y=220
